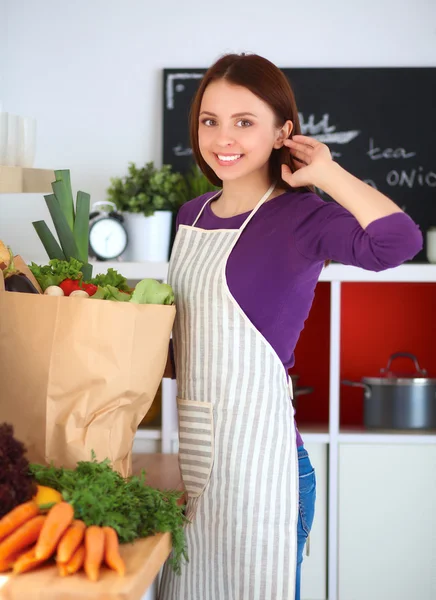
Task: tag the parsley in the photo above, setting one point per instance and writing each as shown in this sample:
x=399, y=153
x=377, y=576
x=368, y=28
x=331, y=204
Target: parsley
x=101, y=496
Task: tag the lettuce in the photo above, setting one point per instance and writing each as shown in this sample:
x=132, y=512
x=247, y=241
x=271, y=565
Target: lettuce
x=56, y=271
x=151, y=291
x=111, y=278
x=110, y=292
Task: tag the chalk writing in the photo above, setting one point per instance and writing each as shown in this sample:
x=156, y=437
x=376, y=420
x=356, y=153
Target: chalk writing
x=375, y=153
x=411, y=178
x=325, y=133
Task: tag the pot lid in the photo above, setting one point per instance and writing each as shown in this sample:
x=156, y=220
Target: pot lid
x=421, y=381
x=390, y=377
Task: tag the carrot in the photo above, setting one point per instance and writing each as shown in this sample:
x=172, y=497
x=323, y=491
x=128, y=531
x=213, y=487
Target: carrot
x=59, y=518
x=8, y=562
x=16, y=517
x=62, y=568
x=112, y=551
x=26, y=562
x=22, y=537
x=94, y=551
x=70, y=541
x=76, y=561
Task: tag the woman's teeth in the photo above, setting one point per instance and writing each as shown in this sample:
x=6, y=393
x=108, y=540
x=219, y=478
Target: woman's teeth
x=229, y=158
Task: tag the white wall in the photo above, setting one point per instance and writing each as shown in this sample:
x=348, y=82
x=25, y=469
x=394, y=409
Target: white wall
x=90, y=70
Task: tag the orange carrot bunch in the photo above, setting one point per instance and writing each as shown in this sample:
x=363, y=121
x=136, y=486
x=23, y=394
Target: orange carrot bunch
x=29, y=539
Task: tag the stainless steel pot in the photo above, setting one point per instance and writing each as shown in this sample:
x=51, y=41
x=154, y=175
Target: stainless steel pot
x=399, y=401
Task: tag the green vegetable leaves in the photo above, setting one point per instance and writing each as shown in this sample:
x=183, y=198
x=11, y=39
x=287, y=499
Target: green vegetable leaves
x=113, y=278
x=100, y=496
x=110, y=286
x=151, y=291
x=56, y=271
x=109, y=292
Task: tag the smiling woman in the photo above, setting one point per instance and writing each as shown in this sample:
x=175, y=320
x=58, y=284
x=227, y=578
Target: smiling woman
x=244, y=266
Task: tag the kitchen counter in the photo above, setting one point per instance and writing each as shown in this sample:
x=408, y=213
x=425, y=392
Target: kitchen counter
x=143, y=559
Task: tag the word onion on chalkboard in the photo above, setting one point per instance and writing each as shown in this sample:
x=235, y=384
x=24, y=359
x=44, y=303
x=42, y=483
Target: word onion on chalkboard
x=379, y=123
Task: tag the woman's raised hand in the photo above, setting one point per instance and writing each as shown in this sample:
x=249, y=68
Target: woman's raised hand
x=311, y=159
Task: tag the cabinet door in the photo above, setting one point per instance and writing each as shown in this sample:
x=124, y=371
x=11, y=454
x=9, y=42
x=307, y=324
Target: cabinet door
x=387, y=522
x=314, y=567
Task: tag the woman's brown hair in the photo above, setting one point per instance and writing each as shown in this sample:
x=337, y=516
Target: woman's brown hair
x=268, y=83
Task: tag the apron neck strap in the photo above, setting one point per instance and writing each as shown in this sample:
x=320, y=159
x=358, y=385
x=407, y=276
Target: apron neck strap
x=204, y=206
x=264, y=198
x=252, y=213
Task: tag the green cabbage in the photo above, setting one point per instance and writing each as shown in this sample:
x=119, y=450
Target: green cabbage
x=151, y=291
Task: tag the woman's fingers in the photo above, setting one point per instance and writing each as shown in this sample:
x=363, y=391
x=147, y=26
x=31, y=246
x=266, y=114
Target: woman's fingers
x=302, y=157
x=304, y=139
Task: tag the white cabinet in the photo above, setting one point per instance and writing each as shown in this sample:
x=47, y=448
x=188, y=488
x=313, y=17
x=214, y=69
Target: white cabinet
x=387, y=522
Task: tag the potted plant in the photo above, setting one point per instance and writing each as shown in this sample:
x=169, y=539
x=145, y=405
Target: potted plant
x=148, y=197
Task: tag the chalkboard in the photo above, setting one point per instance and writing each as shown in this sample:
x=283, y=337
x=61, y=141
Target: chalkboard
x=379, y=123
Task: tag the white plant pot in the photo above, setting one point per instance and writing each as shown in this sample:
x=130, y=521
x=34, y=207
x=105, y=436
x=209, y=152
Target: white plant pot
x=149, y=237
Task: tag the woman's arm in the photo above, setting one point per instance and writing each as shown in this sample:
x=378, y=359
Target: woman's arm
x=317, y=168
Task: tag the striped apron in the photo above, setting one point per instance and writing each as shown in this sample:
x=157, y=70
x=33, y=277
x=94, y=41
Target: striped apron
x=237, y=446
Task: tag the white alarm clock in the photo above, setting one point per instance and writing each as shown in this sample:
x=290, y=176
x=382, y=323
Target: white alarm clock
x=107, y=235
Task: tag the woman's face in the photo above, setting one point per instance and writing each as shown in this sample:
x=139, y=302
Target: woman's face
x=237, y=131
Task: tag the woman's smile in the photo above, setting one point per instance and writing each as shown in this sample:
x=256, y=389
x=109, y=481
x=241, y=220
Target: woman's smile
x=228, y=160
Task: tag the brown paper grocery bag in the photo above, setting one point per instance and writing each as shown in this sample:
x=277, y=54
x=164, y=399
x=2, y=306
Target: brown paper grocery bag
x=79, y=375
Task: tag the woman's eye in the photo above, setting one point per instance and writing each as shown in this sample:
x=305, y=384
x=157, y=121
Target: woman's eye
x=244, y=123
x=208, y=122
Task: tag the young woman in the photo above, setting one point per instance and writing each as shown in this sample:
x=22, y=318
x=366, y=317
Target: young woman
x=244, y=267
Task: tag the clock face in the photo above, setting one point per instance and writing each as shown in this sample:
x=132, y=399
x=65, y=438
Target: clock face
x=107, y=238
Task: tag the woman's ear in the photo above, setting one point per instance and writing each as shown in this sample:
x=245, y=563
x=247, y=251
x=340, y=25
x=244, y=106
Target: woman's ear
x=284, y=133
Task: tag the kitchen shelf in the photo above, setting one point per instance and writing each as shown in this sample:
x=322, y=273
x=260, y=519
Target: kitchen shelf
x=359, y=435
x=409, y=272
x=21, y=180
x=314, y=433
x=133, y=270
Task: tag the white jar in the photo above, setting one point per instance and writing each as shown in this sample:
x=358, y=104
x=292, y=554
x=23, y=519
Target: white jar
x=431, y=245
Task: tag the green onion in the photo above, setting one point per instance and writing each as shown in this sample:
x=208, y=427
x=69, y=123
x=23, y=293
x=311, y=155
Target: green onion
x=71, y=225
x=48, y=240
x=81, y=225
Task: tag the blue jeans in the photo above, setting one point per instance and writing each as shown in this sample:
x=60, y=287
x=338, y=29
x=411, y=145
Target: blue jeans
x=306, y=511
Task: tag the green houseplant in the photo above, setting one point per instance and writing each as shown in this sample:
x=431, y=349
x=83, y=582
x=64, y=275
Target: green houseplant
x=147, y=189
x=149, y=198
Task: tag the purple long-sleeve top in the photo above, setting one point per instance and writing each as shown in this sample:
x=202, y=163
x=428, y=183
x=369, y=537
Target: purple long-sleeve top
x=273, y=270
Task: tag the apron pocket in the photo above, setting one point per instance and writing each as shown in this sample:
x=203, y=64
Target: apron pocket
x=196, y=448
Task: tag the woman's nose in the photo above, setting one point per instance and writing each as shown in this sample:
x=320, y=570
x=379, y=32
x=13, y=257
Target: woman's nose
x=223, y=137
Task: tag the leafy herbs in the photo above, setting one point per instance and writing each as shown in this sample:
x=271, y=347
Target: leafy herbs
x=16, y=484
x=56, y=271
x=113, y=278
x=100, y=496
x=109, y=292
